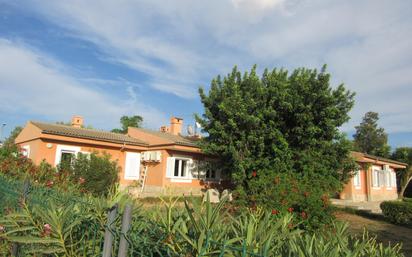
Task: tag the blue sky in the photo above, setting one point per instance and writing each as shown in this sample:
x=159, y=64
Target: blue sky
x=105, y=59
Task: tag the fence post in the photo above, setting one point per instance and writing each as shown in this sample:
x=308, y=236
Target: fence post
x=126, y=221
x=25, y=192
x=108, y=235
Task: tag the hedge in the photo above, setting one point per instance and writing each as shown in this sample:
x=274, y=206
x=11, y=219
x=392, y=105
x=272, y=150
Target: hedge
x=398, y=212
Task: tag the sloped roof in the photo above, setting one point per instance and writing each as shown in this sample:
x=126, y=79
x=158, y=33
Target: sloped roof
x=359, y=156
x=176, y=139
x=64, y=130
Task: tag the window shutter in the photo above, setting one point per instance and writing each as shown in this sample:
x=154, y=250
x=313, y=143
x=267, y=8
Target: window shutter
x=169, y=167
x=388, y=177
x=190, y=169
x=375, y=178
x=393, y=179
x=132, y=166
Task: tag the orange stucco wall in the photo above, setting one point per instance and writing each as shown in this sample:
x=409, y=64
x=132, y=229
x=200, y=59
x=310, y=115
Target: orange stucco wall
x=366, y=191
x=44, y=147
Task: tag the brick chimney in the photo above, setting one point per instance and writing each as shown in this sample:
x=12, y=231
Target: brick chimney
x=77, y=121
x=176, y=125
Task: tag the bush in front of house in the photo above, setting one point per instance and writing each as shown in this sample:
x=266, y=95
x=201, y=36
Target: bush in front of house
x=398, y=212
x=94, y=173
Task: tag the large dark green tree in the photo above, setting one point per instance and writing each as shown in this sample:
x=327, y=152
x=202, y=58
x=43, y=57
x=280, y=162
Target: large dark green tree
x=129, y=121
x=369, y=138
x=404, y=154
x=279, y=123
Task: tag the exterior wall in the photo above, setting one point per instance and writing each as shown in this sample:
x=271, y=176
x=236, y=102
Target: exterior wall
x=45, y=149
x=356, y=193
x=158, y=182
x=382, y=192
x=367, y=192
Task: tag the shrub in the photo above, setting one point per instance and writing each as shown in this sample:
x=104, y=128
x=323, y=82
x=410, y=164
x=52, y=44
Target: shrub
x=292, y=193
x=95, y=174
x=398, y=212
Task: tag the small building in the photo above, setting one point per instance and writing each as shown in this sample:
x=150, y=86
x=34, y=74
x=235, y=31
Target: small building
x=151, y=162
x=375, y=180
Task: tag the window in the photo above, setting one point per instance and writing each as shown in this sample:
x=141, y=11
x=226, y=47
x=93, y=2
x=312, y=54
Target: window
x=376, y=178
x=357, y=179
x=25, y=150
x=65, y=154
x=180, y=168
x=67, y=157
x=210, y=173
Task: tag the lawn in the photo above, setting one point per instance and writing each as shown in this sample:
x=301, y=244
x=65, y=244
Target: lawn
x=386, y=233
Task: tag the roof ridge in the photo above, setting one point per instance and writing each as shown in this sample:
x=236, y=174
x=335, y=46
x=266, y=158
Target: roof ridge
x=71, y=131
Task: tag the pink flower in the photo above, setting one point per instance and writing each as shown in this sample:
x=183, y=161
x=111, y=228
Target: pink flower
x=49, y=183
x=2, y=228
x=47, y=229
x=290, y=209
x=81, y=180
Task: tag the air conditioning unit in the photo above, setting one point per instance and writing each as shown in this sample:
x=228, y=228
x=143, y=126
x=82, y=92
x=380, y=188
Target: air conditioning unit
x=151, y=156
x=145, y=156
x=156, y=156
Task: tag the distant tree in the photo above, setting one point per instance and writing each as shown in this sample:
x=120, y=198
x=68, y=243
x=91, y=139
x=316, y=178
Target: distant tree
x=129, y=121
x=9, y=141
x=369, y=138
x=404, y=154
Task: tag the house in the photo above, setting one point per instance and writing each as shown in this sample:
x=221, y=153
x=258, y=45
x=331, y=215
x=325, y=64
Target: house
x=375, y=180
x=159, y=162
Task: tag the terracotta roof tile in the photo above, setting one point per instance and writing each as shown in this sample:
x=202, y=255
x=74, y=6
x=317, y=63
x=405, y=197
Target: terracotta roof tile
x=64, y=130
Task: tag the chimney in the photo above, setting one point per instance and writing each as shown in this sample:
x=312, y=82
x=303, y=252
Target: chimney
x=77, y=121
x=164, y=129
x=176, y=125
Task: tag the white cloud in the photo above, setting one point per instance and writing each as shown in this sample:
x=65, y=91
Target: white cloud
x=366, y=44
x=33, y=83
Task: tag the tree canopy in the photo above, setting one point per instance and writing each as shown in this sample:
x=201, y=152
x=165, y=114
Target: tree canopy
x=404, y=154
x=369, y=138
x=279, y=123
x=128, y=121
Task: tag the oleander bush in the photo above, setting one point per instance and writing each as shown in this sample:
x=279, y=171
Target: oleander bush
x=398, y=212
x=93, y=173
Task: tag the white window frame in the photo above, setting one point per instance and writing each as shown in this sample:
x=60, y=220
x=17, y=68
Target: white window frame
x=65, y=149
x=357, y=180
x=170, y=169
x=130, y=174
x=376, y=178
x=26, y=151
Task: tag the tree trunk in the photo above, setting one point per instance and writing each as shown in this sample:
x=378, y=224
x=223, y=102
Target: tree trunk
x=403, y=188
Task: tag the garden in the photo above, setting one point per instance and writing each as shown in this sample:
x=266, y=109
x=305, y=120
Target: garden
x=278, y=142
